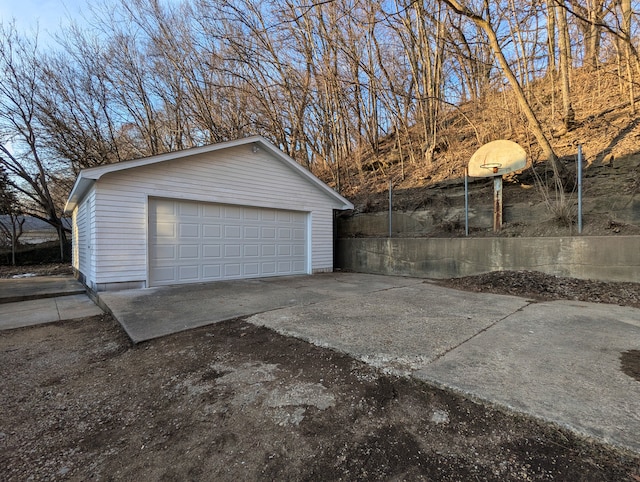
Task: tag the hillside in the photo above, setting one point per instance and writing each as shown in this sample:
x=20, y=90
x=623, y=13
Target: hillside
x=606, y=128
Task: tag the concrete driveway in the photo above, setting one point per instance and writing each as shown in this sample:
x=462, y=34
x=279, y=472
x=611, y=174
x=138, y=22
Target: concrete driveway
x=150, y=313
x=558, y=361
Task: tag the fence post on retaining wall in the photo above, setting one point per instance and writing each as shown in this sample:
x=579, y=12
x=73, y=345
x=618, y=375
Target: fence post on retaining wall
x=466, y=201
x=390, y=205
x=579, y=188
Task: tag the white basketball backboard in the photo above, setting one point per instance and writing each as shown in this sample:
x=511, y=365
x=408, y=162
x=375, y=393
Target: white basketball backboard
x=497, y=158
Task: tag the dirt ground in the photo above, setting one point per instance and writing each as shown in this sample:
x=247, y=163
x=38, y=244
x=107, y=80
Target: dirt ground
x=45, y=269
x=233, y=401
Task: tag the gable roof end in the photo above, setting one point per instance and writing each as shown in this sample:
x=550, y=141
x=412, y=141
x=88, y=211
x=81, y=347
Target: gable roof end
x=88, y=177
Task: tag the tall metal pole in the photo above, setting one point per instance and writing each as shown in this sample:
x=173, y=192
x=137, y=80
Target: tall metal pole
x=466, y=201
x=579, y=188
x=390, y=205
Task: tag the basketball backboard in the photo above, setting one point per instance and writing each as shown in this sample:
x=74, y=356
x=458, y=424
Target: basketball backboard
x=497, y=158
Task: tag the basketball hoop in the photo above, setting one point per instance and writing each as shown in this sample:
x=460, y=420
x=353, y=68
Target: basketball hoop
x=508, y=157
x=492, y=166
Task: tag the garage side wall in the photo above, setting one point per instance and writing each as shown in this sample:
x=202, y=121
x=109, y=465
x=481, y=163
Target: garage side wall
x=231, y=176
x=83, y=226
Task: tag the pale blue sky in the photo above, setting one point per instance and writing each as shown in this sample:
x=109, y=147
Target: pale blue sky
x=47, y=15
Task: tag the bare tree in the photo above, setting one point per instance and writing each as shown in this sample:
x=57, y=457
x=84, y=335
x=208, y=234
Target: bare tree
x=568, y=114
x=77, y=105
x=11, y=220
x=484, y=22
x=21, y=149
x=589, y=22
x=626, y=13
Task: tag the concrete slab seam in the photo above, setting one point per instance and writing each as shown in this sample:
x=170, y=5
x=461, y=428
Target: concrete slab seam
x=55, y=300
x=483, y=330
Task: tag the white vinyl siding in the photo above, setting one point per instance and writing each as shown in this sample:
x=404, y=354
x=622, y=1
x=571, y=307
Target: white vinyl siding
x=78, y=228
x=83, y=229
x=230, y=176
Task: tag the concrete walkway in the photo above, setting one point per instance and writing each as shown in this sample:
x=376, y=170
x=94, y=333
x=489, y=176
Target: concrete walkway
x=38, y=287
x=557, y=361
x=43, y=299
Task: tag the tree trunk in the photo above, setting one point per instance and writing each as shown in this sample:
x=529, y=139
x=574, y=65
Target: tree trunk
x=534, y=124
x=625, y=6
x=551, y=37
x=568, y=114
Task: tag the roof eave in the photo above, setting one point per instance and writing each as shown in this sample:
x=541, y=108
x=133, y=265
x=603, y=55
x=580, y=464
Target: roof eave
x=80, y=188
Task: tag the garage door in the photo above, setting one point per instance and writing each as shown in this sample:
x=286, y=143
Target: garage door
x=192, y=241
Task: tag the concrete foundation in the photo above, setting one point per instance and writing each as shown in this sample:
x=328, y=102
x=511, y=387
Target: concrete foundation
x=606, y=258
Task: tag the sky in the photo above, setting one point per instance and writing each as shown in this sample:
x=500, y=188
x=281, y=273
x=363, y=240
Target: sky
x=45, y=15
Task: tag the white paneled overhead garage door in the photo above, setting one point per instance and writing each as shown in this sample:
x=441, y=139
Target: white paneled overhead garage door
x=191, y=242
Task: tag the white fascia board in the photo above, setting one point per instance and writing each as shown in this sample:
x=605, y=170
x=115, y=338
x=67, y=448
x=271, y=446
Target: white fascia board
x=87, y=177
x=80, y=188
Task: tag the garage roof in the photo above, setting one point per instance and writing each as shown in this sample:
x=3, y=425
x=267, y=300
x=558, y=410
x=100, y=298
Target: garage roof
x=87, y=177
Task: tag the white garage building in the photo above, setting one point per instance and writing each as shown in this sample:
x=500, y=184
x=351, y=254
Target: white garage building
x=239, y=209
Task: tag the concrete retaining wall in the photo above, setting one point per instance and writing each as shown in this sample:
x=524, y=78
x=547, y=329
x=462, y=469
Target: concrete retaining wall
x=607, y=258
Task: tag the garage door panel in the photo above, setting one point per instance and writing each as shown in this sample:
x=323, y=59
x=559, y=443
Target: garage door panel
x=165, y=274
x=232, y=232
x=211, y=231
x=284, y=266
x=232, y=270
x=211, y=211
x=163, y=252
x=232, y=212
x=188, y=273
x=190, y=230
x=164, y=208
x=166, y=230
x=268, y=268
x=211, y=271
x=251, y=214
x=250, y=269
x=211, y=250
x=191, y=242
x=189, y=252
x=231, y=250
x=186, y=209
